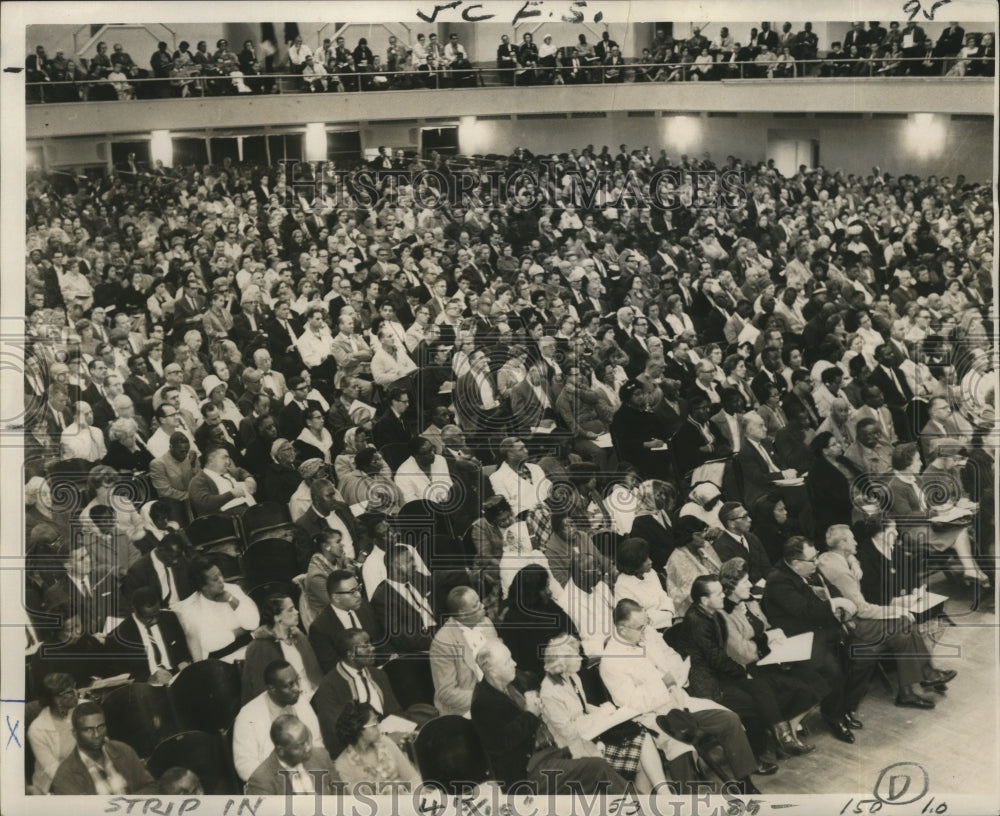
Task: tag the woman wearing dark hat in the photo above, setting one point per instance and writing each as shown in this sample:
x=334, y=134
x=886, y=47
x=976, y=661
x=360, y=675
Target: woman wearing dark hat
x=795, y=686
x=638, y=436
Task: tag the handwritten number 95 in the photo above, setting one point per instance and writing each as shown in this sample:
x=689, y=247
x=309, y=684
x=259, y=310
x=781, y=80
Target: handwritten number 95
x=913, y=7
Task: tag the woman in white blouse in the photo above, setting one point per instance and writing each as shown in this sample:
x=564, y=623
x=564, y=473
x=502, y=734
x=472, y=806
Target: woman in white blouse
x=51, y=732
x=566, y=712
x=677, y=320
x=424, y=476
x=638, y=581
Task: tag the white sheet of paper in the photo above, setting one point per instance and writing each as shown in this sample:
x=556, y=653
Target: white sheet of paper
x=108, y=682
x=793, y=650
x=597, y=722
x=110, y=623
x=604, y=441
x=659, y=448
x=396, y=725
x=359, y=508
x=928, y=601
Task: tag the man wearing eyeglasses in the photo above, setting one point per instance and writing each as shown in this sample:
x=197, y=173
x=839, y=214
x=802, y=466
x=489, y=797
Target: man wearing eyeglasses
x=797, y=599
x=99, y=765
x=347, y=610
x=454, y=650
x=642, y=672
x=738, y=542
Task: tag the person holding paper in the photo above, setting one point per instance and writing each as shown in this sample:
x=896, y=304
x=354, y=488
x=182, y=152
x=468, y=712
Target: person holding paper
x=567, y=713
x=718, y=677
x=910, y=504
x=641, y=671
x=797, y=599
x=881, y=630
x=750, y=638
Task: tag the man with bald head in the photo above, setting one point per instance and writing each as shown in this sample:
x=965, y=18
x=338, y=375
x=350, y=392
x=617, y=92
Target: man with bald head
x=295, y=765
x=454, y=650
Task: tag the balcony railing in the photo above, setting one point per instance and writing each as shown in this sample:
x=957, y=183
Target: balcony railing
x=218, y=84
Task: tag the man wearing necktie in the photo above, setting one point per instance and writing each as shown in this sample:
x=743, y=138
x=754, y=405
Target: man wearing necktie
x=738, y=542
x=408, y=621
x=149, y=644
x=356, y=678
x=760, y=471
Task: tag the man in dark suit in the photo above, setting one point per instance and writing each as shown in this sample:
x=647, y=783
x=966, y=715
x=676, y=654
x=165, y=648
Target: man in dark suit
x=393, y=430
x=87, y=594
x=163, y=570
x=532, y=400
x=637, y=347
x=476, y=395
x=149, y=644
x=295, y=765
x=248, y=331
x=400, y=606
x=354, y=677
x=508, y=725
x=738, y=542
x=756, y=460
x=326, y=502
x=678, y=365
x=801, y=397
x=58, y=415
x=950, y=42
x=770, y=374
x=205, y=492
x=123, y=771
x=889, y=378
x=348, y=609
x=797, y=599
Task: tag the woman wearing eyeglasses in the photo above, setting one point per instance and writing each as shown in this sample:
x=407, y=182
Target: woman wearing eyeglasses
x=371, y=759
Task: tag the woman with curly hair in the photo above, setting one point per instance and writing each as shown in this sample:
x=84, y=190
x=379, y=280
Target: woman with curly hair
x=371, y=760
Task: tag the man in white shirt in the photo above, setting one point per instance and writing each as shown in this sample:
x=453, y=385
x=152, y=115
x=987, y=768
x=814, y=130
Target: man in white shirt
x=80, y=440
x=524, y=485
x=316, y=343
x=297, y=54
x=272, y=382
x=252, y=729
x=642, y=672
x=454, y=649
x=174, y=376
x=391, y=365
x=168, y=417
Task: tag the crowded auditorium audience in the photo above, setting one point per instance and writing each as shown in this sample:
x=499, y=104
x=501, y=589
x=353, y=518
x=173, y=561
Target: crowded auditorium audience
x=430, y=62
x=345, y=470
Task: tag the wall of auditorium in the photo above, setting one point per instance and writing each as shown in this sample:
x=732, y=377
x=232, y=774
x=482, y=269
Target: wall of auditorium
x=940, y=145
x=854, y=145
